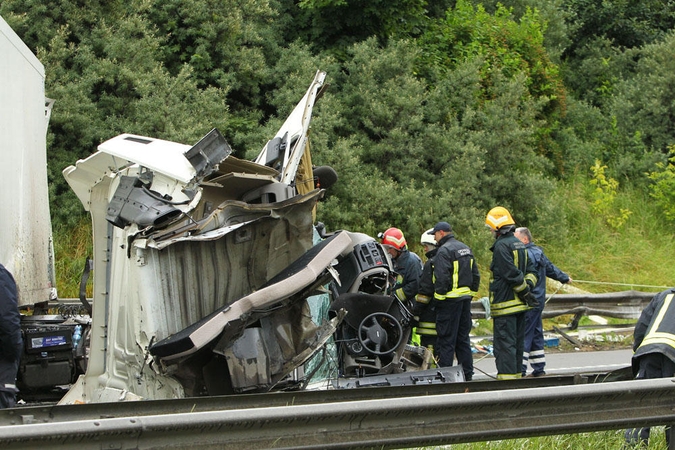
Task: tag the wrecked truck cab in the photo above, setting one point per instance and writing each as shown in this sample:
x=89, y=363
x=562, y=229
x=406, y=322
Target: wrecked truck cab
x=179, y=232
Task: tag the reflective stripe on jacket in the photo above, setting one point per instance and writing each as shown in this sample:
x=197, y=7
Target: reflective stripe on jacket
x=455, y=270
x=655, y=329
x=423, y=308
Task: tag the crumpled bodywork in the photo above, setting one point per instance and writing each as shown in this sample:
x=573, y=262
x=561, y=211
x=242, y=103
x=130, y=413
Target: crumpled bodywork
x=181, y=232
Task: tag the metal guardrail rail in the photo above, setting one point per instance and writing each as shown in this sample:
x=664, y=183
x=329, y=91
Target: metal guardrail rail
x=394, y=422
x=621, y=305
x=47, y=413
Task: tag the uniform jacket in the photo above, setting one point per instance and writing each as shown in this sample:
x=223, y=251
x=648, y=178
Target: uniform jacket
x=10, y=318
x=655, y=329
x=408, y=266
x=545, y=268
x=512, y=272
x=455, y=270
x=424, y=308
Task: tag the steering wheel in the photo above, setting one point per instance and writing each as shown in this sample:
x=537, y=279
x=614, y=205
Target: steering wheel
x=377, y=331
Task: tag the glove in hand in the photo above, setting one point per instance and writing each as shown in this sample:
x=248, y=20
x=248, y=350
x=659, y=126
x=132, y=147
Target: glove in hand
x=526, y=297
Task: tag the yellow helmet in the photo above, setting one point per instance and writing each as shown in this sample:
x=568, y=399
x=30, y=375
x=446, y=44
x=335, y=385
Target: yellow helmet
x=499, y=217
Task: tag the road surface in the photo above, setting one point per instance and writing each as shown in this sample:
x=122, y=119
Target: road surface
x=564, y=363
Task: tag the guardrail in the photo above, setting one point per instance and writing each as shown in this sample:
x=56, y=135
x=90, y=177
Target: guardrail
x=399, y=422
x=622, y=305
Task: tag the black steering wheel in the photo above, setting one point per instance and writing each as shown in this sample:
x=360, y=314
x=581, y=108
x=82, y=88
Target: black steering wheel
x=378, y=331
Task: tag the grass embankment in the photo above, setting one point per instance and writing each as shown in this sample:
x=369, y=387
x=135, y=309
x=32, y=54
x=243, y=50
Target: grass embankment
x=72, y=247
x=603, y=440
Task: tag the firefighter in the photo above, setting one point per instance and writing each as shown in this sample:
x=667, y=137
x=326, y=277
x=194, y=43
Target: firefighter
x=10, y=338
x=513, y=277
x=456, y=280
x=407, y=265
x=533, y=351
x=424, y=309
x=654, y=351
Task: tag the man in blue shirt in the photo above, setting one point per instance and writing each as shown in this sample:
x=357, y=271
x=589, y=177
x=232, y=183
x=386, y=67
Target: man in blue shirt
x=533, y=350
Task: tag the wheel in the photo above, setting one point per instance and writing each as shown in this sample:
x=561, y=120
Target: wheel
x=380, y=333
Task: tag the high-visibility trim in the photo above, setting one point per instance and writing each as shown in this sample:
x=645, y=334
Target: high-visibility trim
x=426, y=332
x=509, y=376
x=400, y=294
x=430, y=325
x=532, y=277
x=670, y=340
x=455, y=293
x=508, y=307
x=521, y=287
x=659, y=337
x=424, y=299
x=515, y=258
x=537, y=357
x=455, y=275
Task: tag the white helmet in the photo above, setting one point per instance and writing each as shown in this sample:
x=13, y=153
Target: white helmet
x=428, y=239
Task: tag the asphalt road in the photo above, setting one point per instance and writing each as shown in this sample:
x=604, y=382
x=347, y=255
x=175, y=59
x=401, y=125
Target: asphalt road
x=564, y=363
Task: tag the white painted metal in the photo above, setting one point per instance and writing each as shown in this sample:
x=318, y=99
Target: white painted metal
x=155, y=154
x=25, y=225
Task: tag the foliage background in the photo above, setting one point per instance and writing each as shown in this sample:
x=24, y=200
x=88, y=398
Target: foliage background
x=436, y=110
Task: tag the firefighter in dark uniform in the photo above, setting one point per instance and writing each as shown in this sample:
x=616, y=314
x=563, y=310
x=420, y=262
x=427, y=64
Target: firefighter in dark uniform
x=407, y=265
x=513, y=277
x=654, y=351
x=456, y=281
x=10, y=338
x=424, y=310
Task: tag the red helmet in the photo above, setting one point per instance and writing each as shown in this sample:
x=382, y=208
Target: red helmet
x=394, y=238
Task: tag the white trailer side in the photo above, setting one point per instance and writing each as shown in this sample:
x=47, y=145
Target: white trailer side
x=25, y=226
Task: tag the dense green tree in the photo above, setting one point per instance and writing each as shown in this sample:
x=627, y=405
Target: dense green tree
x=434, y=110
x=625, y=23
x=600, y=32
x=409, y=156
x=643, y=100
x=554, y=18
x=335, y=24
x=223, y=41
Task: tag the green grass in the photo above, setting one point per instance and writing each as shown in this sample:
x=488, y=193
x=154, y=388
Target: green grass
x=72, y=247
x=602, y=440
x=637, y=254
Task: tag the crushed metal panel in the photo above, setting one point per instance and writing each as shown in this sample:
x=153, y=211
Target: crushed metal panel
x=289, y=144
x=206, y=154
x=233, y=318
x=89, y=172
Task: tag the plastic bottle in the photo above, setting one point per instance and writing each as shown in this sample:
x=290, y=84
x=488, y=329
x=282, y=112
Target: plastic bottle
x=77, y=335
